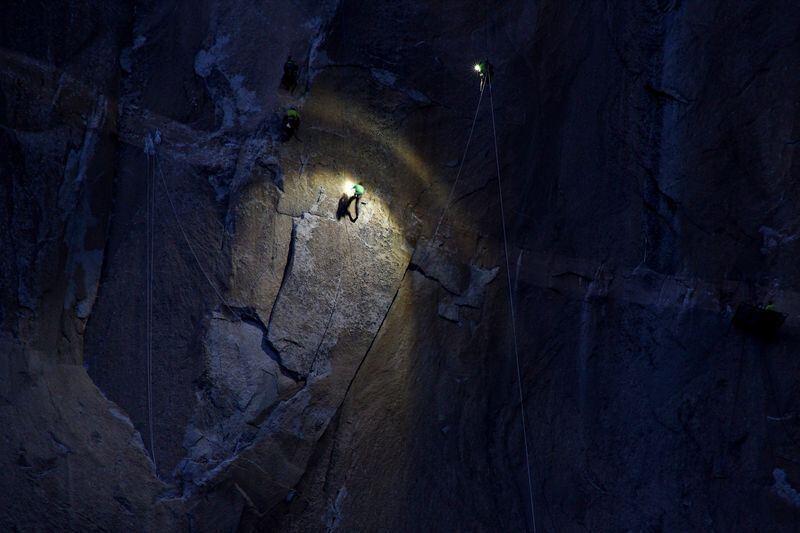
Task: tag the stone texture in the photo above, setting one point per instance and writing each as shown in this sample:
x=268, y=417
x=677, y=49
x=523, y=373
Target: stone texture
x=59, y=113
x=310, y=374
x=68, y=446
x=240, y=388
x=340, y=280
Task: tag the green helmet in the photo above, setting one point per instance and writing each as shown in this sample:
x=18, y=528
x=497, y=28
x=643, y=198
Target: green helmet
x=359, y=189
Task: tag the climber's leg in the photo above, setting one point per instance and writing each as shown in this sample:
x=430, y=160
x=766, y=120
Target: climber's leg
x=357, y=200
x=347, y=208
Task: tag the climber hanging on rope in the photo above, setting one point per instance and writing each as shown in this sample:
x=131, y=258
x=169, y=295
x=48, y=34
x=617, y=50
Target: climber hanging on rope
x=290, y=70
x=344, y=202
x=290, y=124
x=485, y=70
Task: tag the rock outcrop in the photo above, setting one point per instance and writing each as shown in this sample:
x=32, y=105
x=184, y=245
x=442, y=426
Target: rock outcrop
x=281, y=369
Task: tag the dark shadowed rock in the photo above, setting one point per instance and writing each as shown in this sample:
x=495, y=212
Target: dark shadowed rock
x=299, y=372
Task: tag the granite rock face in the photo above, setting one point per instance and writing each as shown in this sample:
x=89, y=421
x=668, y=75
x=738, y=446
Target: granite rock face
x=299, y=372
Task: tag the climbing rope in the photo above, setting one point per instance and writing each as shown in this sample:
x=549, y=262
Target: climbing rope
x=765, y=361
x=333, y=308
x=186, y=237
x=458, y=174
x=349, y=255
x=156, y=167
x=153, y=166
x=150, y=231
x=511, y=305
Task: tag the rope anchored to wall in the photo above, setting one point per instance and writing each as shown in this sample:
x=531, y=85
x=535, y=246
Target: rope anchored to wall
x=188, y=242
x=487, y=77
x=513, y=313
x=153, y=167
x=149, y=150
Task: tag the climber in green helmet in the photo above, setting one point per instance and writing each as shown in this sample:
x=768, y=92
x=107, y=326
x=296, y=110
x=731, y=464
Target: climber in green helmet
x=358, y=192
x=485, y=70
x=291, y=121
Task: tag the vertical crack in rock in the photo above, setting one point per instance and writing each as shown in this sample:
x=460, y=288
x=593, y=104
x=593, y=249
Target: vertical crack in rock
x=286, y=271
x=267, y=345
x=668, y=122
x=317, y=40
x=83, y=227
x=372, y=342
x=662, y=223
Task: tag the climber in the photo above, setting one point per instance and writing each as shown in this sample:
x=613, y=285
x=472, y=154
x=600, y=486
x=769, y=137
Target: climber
x=291, y=122
x=358, y=192
x=290, y=70
x=762, y=320
x=486, y=71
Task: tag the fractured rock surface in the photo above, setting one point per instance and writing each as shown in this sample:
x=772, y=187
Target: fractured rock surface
x=303, y=373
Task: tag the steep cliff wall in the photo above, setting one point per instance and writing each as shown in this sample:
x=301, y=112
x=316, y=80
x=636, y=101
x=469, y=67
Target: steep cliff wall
x=303, y=373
